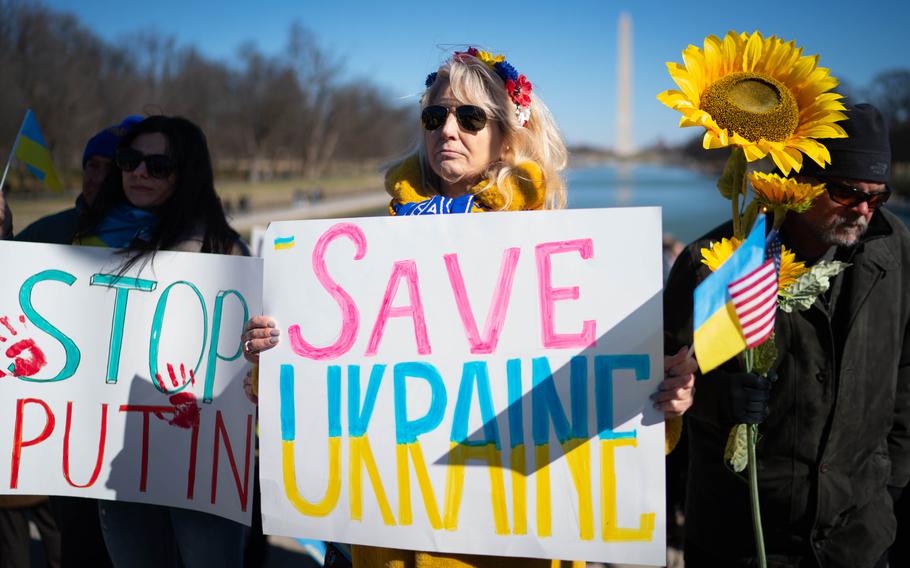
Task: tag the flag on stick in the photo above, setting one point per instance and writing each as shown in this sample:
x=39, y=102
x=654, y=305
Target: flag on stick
x=717, y=333
x=31, y=148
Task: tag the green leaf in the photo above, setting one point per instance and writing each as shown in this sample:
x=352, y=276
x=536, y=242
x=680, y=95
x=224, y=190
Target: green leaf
x=801, y=294
x=736, y=454
x=731, y=182
x=764, y=355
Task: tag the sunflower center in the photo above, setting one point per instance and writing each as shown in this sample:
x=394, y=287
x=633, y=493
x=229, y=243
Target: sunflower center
x=752, y=105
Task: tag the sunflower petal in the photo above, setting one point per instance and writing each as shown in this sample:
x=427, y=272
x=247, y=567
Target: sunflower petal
x=753, y=52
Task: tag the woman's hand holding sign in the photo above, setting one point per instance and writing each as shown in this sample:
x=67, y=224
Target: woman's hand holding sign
x=260, y=333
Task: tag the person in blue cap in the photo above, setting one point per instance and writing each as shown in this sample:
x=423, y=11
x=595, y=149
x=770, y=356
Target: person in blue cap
x=96, y=163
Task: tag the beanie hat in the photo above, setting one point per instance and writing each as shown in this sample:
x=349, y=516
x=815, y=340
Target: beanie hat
x=866, y=152
x=105, y=142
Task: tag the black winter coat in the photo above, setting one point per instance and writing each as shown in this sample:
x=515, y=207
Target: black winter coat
x=839, y=429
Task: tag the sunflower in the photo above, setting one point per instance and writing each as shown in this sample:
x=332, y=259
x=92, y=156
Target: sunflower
x=784, y=194
x=719, y=252
x=790, y=269
x=760, y=94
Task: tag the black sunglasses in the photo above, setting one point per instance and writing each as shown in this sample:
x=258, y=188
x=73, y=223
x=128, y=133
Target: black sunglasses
x=470, y=118
x=850, y=196
x=157, y=165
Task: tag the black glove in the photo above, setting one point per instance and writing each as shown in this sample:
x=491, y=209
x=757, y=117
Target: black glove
x=747, y=396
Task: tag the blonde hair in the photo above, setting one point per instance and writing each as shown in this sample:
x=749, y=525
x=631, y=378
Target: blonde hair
x=538, y=141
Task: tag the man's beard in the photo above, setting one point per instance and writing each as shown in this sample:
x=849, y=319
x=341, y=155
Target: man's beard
x=845, y=230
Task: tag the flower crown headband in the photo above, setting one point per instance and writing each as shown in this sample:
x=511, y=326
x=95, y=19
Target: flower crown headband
x=517, y=86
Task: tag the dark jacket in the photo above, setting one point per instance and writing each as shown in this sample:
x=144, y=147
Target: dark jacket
x=57, y=229
x=839, y=428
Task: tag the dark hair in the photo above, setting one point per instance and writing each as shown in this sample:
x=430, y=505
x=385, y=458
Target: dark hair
x=193, y=208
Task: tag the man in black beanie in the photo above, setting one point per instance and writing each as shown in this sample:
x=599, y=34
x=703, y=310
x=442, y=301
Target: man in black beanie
x=834, y=442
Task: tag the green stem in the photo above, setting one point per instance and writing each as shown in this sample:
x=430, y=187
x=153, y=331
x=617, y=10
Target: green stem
x=749, y=360
x=734, y=201
x=753, y=492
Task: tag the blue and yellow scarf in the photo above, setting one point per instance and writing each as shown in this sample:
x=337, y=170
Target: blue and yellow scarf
x=404, y=183
x=120, y=227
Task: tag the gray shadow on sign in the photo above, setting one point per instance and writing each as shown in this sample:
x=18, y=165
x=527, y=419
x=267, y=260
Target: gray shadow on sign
x=181, y=431
x=616, y=372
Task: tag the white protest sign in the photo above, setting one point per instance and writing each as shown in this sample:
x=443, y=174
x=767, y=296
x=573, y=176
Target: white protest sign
x=127, y=386
x=467, y=383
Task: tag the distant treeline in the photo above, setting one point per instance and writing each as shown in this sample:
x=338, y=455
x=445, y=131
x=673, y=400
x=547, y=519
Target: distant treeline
x=287, y=114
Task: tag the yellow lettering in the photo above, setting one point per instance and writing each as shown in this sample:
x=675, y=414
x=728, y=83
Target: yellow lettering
x=542, y=461
x=362, y=457
x=459, y=454
x=578, y=456
x=519, y=488
x=328, y=502
x=612, y=532
x=423, y=480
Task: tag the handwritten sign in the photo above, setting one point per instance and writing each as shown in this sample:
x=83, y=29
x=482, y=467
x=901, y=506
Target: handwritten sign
x=467, y=383
x=126, y=385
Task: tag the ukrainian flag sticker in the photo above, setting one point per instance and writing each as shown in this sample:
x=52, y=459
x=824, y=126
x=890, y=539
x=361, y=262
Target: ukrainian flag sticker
x=284, y=243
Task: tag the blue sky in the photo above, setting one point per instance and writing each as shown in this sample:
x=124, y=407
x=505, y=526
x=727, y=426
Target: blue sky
x=566, y=48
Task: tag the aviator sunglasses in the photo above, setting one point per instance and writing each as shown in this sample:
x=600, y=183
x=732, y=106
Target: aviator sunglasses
x=470, y=118
x=850, y=196
x=157, y=165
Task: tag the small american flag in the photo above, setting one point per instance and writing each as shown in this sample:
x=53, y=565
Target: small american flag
x=755, y=302
x=772, y=248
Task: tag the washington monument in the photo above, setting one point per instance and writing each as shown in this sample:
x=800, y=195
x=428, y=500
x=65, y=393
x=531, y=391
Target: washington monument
x=624, y=144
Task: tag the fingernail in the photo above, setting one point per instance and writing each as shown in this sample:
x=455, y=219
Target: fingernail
x=271, y=323
x=275, y=332
x=273, y=340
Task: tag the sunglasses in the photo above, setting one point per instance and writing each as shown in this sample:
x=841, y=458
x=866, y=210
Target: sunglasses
x=850, y=196
x=157, y=165
x=470, y=118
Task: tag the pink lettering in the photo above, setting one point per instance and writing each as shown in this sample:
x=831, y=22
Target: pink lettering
x=406, y=269
x=350, y=317
x=549, y=296
x=499, y=304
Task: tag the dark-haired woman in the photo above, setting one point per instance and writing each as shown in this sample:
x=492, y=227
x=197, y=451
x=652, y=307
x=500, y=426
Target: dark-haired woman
x=161, y=196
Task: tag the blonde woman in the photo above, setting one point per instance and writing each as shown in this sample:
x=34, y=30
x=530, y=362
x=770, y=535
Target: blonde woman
x=487, y=143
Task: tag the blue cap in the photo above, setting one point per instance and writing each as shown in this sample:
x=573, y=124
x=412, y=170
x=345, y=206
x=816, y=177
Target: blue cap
x=105, y=142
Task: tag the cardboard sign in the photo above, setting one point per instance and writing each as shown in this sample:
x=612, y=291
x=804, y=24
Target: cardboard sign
x=127, y=385
x=467, y=383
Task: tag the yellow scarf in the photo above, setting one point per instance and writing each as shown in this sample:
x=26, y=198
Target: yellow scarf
x=525, y=186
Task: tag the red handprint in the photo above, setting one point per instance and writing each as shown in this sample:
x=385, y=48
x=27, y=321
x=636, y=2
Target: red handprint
x=27, y=357
x=186, y=410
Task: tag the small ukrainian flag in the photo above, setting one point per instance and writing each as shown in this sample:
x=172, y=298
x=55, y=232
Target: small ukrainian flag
x=283, y=243
x=717, y=335
x=31, y=148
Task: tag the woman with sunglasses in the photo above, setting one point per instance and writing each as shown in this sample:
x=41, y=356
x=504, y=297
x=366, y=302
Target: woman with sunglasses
x=161, y=196
x=487, y=143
